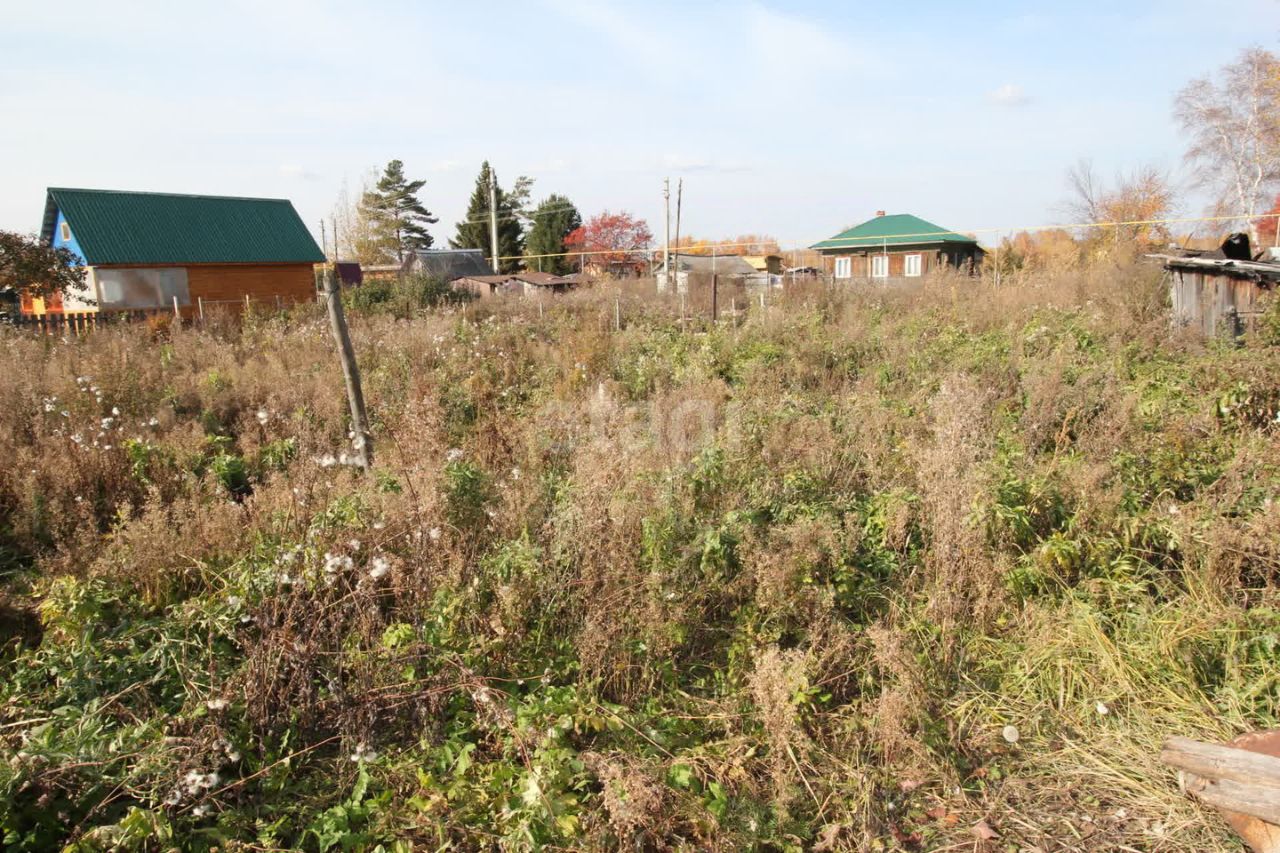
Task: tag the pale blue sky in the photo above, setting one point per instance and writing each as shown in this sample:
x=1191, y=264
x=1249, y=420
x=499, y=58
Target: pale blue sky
x=793, y=119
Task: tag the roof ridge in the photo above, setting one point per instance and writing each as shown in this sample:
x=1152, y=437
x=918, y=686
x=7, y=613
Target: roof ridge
x=168, y=195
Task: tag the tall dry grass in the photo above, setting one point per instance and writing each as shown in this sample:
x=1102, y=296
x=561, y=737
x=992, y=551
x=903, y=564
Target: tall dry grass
x=784, y=580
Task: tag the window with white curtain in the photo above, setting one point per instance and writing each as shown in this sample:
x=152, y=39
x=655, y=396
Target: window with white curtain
x=844, y=267
x=911, y=265
x=879, y=266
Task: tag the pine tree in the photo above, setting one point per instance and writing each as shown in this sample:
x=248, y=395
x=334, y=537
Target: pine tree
x=473, y=232
x=553, y=220
x=399, y=220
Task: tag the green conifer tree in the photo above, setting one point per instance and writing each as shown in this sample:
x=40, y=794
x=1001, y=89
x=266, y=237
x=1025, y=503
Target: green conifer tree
x=399, y=220
x=473, y=231
x=553, y=219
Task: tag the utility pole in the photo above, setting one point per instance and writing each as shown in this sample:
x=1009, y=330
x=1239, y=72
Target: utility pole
x=679, y=196
x=666, y=237
x=715, y=289
x=324, y=240
x=493, y=218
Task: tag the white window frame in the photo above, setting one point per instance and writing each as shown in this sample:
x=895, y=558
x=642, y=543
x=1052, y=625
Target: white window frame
x=879, y=266
x=844, y=267
x=65, y=229
x=912, y=265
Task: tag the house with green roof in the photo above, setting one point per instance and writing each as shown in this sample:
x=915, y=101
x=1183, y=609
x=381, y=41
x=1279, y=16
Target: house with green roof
x=898, y=246
x=157, y=251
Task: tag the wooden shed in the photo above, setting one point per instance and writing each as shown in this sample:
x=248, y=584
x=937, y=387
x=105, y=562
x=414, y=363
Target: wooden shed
x=1219, y=295
x=517, y=284
x=149, y=251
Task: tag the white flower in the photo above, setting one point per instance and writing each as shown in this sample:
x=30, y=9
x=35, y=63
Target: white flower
x=363, y=753
x=515, y=473
x=77, y=438
x=355, y=544
x=107, y=422
x=326, y=461
x=453, y=455
x=334, y=563
x=202, y=810
x=217, y=704
x=1010, y=734
x=115, y=411
x=434, y=534
x=1102, y=709
x=154, y=422
x=380, y=568
x=263, y=416
x=175, y=797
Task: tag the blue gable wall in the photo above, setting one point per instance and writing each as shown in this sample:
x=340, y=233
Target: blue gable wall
x=59, y=243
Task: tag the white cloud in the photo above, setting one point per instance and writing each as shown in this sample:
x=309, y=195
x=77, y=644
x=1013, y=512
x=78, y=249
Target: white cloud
x=1009, y=95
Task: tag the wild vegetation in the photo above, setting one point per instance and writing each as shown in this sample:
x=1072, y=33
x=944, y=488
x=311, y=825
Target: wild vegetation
x=883, y=570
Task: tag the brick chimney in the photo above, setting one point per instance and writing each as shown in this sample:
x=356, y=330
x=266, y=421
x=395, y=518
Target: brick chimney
x=879, y=213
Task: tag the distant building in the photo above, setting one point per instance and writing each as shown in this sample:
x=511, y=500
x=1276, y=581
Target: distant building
x=349, y=273
x=727, y=268
x=442, y=264
x=771, y=264
x=146, y=251
x=898, y=246
x=512, y=284
x=447, y=264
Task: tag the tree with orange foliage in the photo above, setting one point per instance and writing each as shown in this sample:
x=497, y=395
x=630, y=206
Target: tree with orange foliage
x=610, y=238
x=1143, y=198
x=743, y=244
x=1266, y=226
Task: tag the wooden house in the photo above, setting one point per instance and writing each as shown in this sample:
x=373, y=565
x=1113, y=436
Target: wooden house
x=149, y=251
x=897, y=246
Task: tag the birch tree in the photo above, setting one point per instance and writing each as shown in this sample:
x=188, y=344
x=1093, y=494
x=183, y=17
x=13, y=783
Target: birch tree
x=1232, y=120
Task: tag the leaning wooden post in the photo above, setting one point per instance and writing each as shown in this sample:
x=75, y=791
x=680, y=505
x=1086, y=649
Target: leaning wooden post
x=350, y=371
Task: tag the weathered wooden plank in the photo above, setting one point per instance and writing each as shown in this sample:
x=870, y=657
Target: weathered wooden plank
x=1240, y=797
x=1213, y=761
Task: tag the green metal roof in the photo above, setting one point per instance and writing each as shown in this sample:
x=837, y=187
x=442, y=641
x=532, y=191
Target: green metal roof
x=900, y=229
x=162, y=228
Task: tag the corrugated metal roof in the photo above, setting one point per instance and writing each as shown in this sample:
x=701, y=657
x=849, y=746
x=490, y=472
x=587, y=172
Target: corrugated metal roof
x=900, y=229
x=115, y=227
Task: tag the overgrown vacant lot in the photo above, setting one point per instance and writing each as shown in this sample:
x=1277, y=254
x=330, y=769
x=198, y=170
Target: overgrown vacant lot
x=921, y=571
